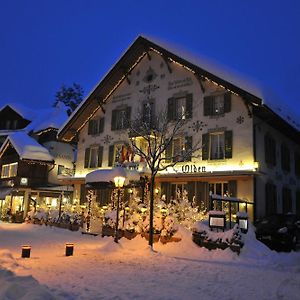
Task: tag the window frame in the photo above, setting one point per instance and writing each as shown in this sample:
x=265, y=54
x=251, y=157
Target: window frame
x=11, y=170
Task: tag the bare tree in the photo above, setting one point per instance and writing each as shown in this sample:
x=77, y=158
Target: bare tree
x=157, y=134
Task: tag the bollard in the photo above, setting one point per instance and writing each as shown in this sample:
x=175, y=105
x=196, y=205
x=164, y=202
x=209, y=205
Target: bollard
x=69, y=249
x=26, y=251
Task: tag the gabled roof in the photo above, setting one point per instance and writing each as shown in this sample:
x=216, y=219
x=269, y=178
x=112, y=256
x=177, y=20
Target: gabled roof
x=122, y=69
x=53, y=117
x=27, y=147
x=24, y=112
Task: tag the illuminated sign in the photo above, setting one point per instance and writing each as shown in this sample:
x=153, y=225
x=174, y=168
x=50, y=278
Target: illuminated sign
x=24, y=181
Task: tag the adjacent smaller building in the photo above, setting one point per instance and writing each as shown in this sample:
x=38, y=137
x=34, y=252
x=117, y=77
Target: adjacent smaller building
x=32, y=160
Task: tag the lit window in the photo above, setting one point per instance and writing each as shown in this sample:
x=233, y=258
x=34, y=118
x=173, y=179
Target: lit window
x=9, y=170
x=217, y=145
x=180, y=107
x=216, y=105
x=120, y=118
x=93, y=157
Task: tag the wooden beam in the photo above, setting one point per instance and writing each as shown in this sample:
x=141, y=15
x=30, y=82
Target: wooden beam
x=126, y=73
x=247, y=104
x=148, y=55
x=167, y=63
x=200, y=80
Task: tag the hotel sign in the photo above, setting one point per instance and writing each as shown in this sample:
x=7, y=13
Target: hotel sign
x=192, y=168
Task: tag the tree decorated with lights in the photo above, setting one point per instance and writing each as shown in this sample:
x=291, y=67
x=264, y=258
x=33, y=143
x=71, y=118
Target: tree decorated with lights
x=151, y=138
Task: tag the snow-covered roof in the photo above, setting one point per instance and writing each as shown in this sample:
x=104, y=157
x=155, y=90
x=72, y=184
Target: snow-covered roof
x=241, y=80
x=49, y=118
x=25, y=112
x=27, y=147
x=41, y=119
x=249, y=89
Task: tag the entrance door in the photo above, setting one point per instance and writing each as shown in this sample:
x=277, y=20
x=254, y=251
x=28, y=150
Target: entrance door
x=221, y=189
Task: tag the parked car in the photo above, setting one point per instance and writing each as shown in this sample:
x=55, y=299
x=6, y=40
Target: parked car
x=279, y=232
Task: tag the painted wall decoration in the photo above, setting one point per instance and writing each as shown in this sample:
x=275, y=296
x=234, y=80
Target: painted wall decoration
x=240, y=120
x=198, y=126
x=147, y=90
x=122, y=97
x=150, y=75
x=176, y=84
x=107, y=139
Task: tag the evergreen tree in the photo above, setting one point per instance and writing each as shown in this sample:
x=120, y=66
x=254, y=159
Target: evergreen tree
x=71, y=96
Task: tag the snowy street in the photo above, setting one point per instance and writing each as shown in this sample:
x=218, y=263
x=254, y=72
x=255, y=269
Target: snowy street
x=101, y=269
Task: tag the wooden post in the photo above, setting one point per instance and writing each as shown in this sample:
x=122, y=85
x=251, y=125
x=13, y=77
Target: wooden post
x=229, y=214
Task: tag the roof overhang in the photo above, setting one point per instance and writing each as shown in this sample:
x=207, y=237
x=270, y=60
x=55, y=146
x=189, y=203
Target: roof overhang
x=120, y=72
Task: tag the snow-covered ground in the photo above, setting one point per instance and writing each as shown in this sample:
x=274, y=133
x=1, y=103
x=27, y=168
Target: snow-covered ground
x=101, y=269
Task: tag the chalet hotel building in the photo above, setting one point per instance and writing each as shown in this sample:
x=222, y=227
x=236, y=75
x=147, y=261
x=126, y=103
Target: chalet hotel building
x=248, y=151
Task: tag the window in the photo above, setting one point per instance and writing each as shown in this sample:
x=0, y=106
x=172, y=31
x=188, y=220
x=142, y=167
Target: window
x=270, y=150
x=96, y=126
x=62, y=170
x=119, y=153
x=286, y=200
x=285, y=158
x=217, y=145
x=93, y=157
x=120, y=118
x=180, y=107
x=9, y=170
x=271, y=198
x=217, y=104
x=148, y=113
x=180, y=149
x=298, y=203
x=297, y=164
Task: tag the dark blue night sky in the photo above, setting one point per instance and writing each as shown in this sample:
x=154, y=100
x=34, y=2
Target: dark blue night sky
x=44, y=44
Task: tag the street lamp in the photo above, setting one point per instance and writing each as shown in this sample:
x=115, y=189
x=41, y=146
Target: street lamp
x=119, y=182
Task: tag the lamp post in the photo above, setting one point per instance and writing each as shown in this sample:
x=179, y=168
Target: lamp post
x=119, y=182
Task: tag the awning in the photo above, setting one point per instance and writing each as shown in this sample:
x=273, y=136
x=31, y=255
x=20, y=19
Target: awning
x=4, y=192
x=107, y=175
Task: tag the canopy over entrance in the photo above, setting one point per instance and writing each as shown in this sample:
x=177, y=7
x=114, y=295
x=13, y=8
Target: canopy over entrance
x=4, y=192
x=108, y=175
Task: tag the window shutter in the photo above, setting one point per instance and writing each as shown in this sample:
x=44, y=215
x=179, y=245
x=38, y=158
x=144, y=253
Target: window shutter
x=128, y=116
x=168, y=153
x=227, y=102
x=228, y=144
x=267, y=149
x=111, y=155
x=208, y=106
x=188, y=148
x=113, y=120
x=205, y=146
x=171, y=109
x=232, y=188
x=189, y=106
x=90, y=128
x=87, y=157
x=297, y=164
x=100, y=156
x=298, y=202
x=101, y=125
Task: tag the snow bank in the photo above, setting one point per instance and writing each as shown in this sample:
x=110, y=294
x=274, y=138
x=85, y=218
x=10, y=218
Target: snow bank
x=103, y=269
x=21, y=287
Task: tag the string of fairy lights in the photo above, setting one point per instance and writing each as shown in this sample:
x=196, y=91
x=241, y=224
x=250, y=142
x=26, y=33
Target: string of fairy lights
x=125, y=75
